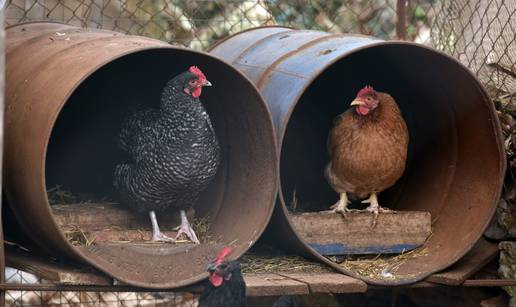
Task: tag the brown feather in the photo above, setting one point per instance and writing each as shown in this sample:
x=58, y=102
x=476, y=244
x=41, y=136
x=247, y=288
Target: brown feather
x=367, y=153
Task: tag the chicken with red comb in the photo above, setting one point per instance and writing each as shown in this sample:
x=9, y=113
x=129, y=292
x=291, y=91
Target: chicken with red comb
x=226, y=286
x=170, y=154
x=367, y=146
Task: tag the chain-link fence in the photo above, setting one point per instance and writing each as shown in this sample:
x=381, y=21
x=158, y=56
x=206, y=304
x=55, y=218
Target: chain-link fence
x=69, y=298
x=198, y=23
x=480, y=33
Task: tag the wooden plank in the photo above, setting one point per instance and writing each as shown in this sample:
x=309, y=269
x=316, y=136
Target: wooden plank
x=480, y=255
x=328, y=282
x=96, y=216
x=55, y=272
x=273, y=284
x=489, y=283
x=332, y=234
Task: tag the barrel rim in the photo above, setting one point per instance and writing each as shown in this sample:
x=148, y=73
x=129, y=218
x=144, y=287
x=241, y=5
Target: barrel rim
x=36, y=22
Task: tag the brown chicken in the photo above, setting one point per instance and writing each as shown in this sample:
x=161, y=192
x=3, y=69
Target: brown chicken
x=368, y=149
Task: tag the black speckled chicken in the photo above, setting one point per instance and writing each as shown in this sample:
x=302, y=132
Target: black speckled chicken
x=174, y=154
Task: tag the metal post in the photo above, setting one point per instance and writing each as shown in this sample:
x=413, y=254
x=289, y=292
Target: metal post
x=2, y=71
x=401, y=23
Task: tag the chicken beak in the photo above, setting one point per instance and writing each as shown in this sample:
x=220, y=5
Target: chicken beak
x=211, y=266
x=206, y=83
x=357, y=102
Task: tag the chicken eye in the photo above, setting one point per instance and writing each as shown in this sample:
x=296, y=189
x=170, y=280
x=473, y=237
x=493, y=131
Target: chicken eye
x=192, y=82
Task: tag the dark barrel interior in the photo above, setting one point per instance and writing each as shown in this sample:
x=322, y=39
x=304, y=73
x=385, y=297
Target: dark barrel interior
x=454, y=163
x=82, y=151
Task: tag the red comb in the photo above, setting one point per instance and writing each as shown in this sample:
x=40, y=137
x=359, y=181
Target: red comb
x=196, y=71
x=367, y=90
x=223, y=253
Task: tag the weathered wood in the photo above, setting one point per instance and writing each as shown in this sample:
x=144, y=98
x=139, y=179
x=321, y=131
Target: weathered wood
x=332, y=234
x=328, y=282
x=55, y=272
x=480, y=255
x=95, y=216
x=124, y=236
x=273, y=284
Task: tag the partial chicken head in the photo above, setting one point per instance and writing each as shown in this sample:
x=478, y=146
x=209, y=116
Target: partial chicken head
x=220, y=269
x=366, y=100
x=196, y=80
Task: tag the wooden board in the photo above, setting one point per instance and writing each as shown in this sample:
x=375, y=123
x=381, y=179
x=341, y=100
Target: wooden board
x=97, y=216
x=332, y=234
x=328, y=282
x=272, y=285
x=480, y=255
x=110, y=222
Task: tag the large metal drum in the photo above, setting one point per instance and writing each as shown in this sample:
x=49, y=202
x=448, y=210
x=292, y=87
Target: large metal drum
x=456, y=160
x=68, y=90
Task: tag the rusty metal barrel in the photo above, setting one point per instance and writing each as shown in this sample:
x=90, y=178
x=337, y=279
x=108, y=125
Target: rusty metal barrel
x=68, y=90
x=456, y=160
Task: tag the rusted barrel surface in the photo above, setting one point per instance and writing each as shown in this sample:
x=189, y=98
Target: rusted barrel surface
x=68, y=90
x=456, y=159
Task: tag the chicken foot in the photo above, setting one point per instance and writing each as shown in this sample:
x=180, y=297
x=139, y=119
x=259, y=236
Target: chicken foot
x=186, y=229
x=342, y=205
x=157, y=235
x=374, y=207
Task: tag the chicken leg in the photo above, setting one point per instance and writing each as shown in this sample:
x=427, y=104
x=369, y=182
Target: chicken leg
x=157, y=235
x=186, y=229
x=342, y=205
x=374, y=207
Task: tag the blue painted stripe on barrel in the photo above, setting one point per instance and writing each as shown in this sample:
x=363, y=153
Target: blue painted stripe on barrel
x=341, y=249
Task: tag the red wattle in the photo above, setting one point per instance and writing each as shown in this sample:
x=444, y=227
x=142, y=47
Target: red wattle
x=197, y=92
x=362, y=110
x=216, y=279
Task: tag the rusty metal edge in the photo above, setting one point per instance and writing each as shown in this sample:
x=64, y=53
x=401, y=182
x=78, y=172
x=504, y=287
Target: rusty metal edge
x=32, y=21
x=77, y=253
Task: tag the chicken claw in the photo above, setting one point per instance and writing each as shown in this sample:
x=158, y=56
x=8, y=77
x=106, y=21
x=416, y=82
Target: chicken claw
x=157, y=235
x=374, y=207
x=342, y=205
x=186, y=229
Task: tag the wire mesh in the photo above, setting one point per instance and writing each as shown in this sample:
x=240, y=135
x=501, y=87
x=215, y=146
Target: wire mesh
x=481, y=34
x=69, y=298
x=197, y=24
